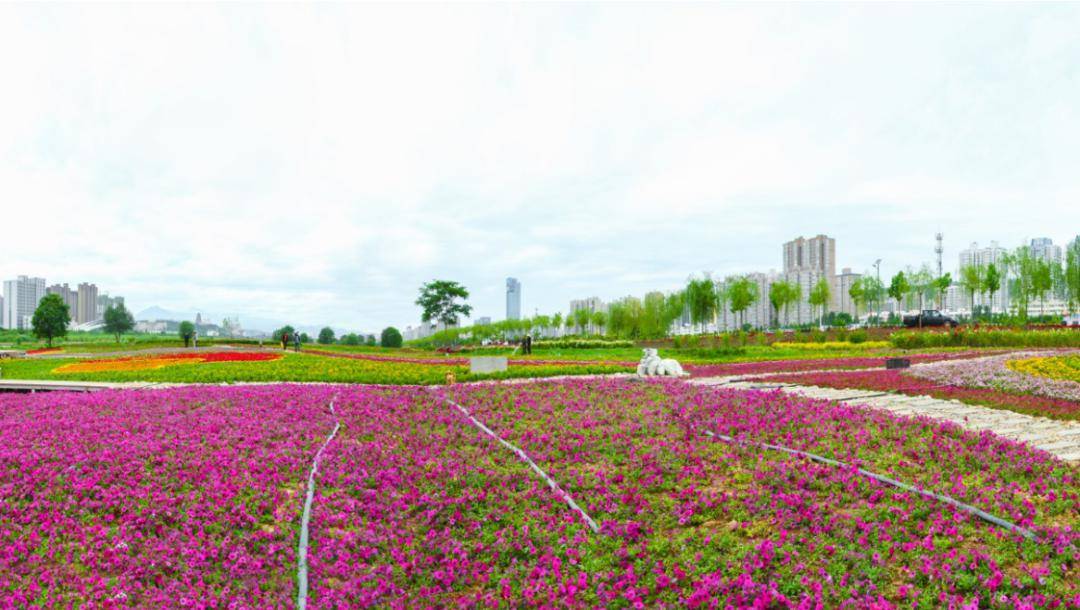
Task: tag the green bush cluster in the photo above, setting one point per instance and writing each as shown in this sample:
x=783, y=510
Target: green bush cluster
x=987, y=338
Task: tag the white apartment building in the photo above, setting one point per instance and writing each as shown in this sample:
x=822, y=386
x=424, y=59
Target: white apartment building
x=841, y=291
x=21, y=298
x=1043, y=248
x=983, y=257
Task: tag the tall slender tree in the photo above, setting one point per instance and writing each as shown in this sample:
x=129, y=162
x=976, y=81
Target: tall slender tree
x=820, y=295
x=992, y=283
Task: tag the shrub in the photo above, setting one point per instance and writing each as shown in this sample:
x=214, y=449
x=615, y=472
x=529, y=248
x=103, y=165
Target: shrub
x=986, y=338
x=391, y=337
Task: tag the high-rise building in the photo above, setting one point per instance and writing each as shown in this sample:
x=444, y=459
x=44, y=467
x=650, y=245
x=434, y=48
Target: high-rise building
x=104, y=301
x=87, y=299
x=1044, y=248
x=984, y=257
x=483, y=321
x=513, y=299
x=814, y=254
x=21, y=298
x=66, y=294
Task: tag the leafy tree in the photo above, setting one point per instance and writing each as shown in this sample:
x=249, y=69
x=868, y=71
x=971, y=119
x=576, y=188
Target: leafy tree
x=370, y=341
x=391, y=337
x=326, y=336
x=350, y=339
x=305, y=338
x=439, y=300
x=972, y=278
x=857, y=292
x=542, y=322
x=701, y=298
x=941, y=286
x=557, y=321
x=1042, y=282
x=118, y=320
x=186, y=331
x=899, y=287
x=1072, y=273
x=284, y=330
x=599, y=320
x=581, y=319
x=742, y=292
x=991, y=282
x=820, y=295
x=51, y=318
x=781, y=294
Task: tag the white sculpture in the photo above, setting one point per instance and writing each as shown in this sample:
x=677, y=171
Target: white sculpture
x=652, y=365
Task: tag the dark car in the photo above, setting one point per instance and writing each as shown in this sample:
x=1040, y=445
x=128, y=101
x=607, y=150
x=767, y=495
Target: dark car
x=930, y=317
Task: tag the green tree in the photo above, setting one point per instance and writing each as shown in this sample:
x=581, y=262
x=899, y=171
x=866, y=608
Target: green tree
x=391, y=337
x=858, y=294
x=941, y=287
x=1072, y=274
x=819, y=297
x=991, y=283
x=899, y=287
x=326, y=336
x=370, y=341
x=599, y=320
x=350, y=339
x=557, y=322
x=743, y=293
x=581, y=319
x=51, y=318
x=781, y=294
x=118, y=320
x=1042, y=282
x=972, y=278
x=439, y=300
x=186, y=331
x=283, y=331
x=701, y=299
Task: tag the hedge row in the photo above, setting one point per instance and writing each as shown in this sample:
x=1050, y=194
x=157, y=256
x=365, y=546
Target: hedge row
x=987, y=338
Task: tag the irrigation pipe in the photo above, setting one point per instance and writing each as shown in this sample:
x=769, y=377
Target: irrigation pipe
x=525, y=458
x=985, y=516
x=305, y=520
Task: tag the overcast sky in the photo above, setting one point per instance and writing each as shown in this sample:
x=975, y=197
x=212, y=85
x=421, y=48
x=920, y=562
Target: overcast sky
x=317, y=163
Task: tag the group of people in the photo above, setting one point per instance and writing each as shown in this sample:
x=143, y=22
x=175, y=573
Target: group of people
x=285, y=337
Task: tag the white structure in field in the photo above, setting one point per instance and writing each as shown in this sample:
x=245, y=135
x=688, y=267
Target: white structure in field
x=652, y=365
x=21, y=298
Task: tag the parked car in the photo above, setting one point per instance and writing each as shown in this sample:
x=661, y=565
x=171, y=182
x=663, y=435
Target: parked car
x=930, y=317
x=1071, y=320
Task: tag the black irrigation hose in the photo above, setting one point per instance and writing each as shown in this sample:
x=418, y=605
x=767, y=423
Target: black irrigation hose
x=985, y=516
x=525, y=458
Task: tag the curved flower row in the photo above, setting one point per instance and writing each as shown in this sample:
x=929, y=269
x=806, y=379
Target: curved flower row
x=1055, y=367
x=157, y=361
x=445, y=361
x=994, y=373
x=815, y=364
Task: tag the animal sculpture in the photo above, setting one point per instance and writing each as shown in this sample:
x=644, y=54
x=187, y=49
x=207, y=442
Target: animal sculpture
x=652, y=365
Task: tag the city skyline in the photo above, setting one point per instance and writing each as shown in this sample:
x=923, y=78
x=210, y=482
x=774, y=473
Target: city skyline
x=584, y=149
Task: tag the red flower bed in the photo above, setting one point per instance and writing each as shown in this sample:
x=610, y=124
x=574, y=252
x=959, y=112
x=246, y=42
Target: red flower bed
x=895, y=381
x=200, y=356
x=43, y=350
x=818, y=364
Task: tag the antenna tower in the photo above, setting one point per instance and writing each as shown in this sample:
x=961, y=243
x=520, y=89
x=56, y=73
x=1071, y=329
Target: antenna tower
x=939, y=249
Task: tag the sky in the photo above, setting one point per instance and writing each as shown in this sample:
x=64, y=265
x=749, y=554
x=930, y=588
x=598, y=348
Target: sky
x=316, y=163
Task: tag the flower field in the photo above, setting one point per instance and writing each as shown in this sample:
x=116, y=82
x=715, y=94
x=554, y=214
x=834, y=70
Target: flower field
x=232, y=367
x=193, y=496
x=1065, y=368
x=816, y=364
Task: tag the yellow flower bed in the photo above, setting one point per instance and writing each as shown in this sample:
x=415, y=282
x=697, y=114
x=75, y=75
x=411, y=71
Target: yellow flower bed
x=134, y=364
x=1054, y=367
x=832, y=345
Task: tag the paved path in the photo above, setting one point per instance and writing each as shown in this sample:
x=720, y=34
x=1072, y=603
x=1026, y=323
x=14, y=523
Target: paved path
x=1061, y=438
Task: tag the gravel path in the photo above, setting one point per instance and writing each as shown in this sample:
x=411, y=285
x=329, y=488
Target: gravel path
x=1060, y=438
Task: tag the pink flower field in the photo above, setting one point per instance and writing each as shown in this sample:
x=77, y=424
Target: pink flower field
x=193, y=497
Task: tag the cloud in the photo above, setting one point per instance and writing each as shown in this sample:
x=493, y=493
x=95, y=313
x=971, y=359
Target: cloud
x=316, y=163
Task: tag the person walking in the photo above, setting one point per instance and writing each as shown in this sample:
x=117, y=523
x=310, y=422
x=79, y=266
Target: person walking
x=528, y=344
x=296, y=341
x=284, y=341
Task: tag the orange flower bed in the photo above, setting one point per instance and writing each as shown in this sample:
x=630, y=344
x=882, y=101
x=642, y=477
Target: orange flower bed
x=143, y=363
x=44, y=350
